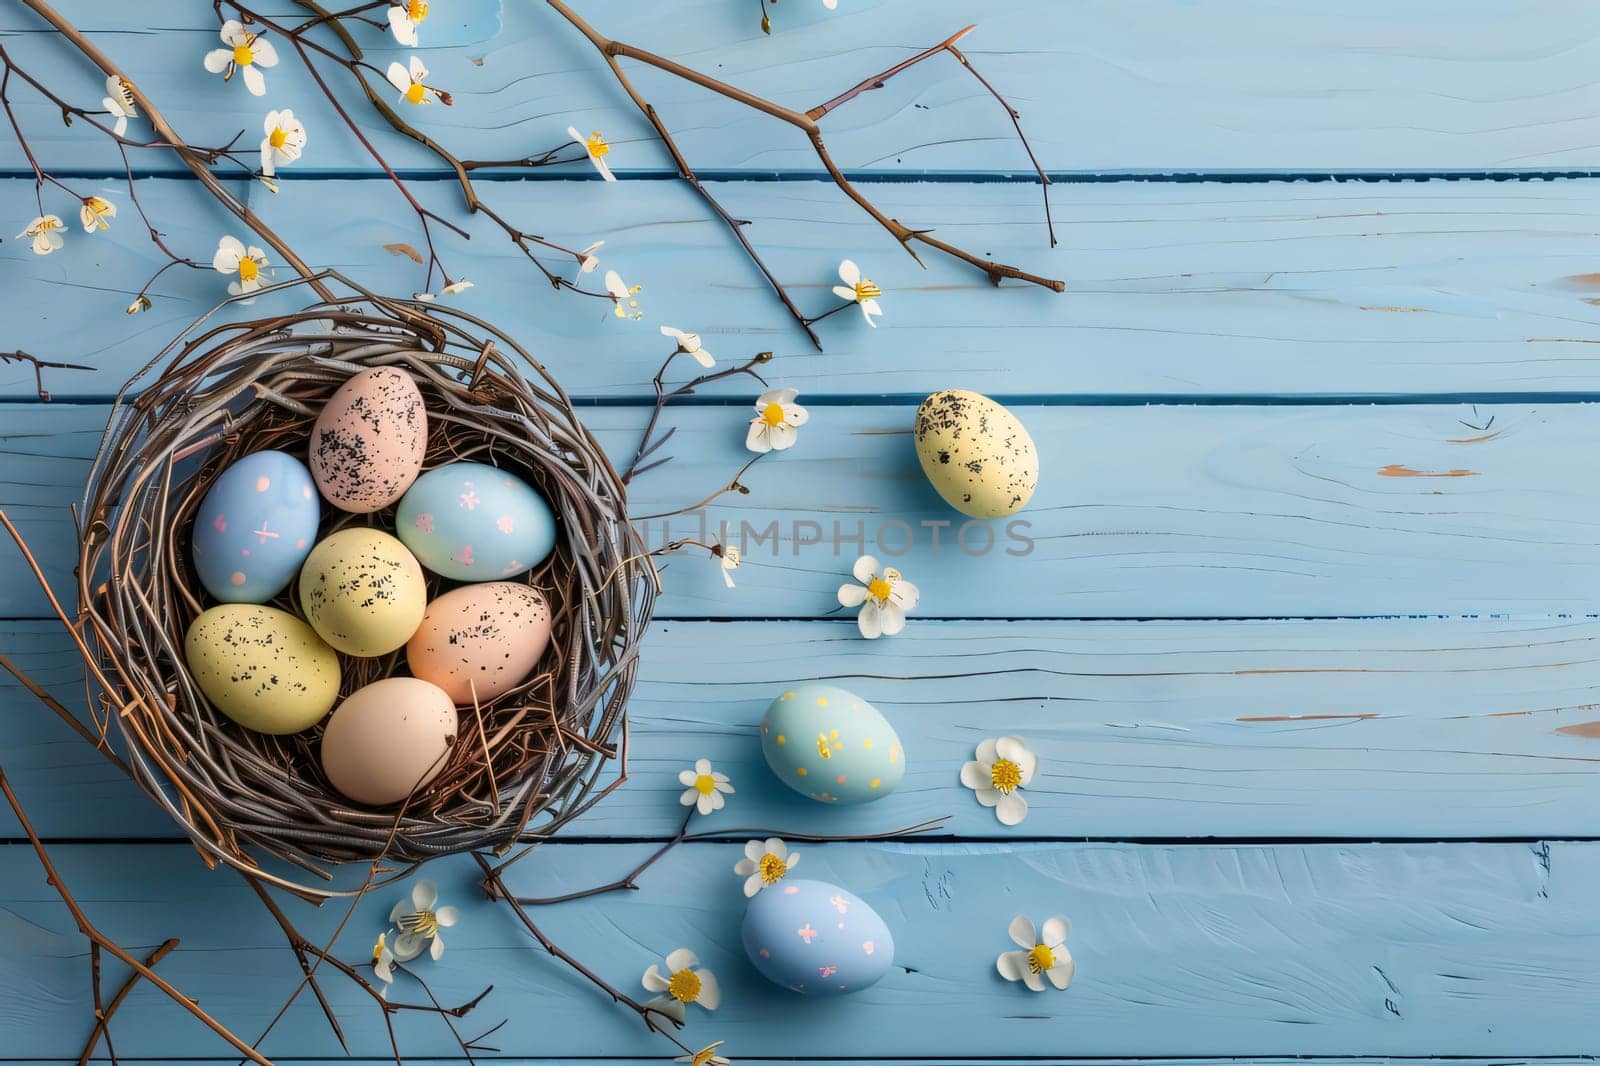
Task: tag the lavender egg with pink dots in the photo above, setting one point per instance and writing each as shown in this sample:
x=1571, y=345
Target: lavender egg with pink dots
x=475, y=522
x=255, y=526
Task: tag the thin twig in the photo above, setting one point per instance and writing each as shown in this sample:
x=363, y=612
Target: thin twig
x=665, y=396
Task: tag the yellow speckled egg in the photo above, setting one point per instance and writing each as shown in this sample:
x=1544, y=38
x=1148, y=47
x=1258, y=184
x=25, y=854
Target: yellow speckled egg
x=387, y=739
x=362, y=591
x=480, y=641
x=262, y=667
x=976, y=454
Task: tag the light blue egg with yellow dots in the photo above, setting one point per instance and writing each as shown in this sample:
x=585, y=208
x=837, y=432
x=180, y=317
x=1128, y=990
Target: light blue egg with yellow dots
x=831, y=745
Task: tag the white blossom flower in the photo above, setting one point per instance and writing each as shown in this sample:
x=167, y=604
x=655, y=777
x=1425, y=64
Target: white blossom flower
x=404, y=17
x=284, y=141
x=140, y=303
x=777, y=418
x=246, y=263
x=1003, y=768
x=689, y=344
x=94, y=213
x=587, y=260
x=684, y=983
x=420, y=920
x=46, y=234
x=704, y=787
x=383, y=963
x=409, y=82
x=765, y=863
x=449, y=290
x=119, y=102
x=706, y=1056
x=246, y=53
x=596, y=148
x=883, y=596
x=730, y=563
x=1043, y=953
x=623, y=294
x=860, y=290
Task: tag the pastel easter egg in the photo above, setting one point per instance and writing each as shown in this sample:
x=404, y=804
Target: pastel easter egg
x=362, y=591
x=816, y=939
x=831, y=745
x=480, y=641
x=387, y=739
x=474, y=522
x=255, y=527
x=262, y=667
x=369, y=439
x=976, y=454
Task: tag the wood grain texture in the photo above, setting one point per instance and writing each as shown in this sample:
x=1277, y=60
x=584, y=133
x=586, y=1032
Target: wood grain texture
x=1147, y=730
x=1464, y=949
x=1159, y=85
x=1141, y=512
x=1183, y=290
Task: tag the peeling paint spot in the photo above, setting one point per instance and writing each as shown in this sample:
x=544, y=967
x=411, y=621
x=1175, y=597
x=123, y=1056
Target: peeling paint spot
x=1587, y=730
x=1400, y=470
x=1474, y=440
x=1402, y=310
x=1584, y=281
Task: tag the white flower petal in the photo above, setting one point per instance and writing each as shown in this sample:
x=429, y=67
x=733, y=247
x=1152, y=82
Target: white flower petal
x=217, y=60
x=988, y=751
x=398, y=77
x=263, y=54
x=653, y=981
x=447, y=916
x=1022, y=933
x=233, y=33
x=866, y=313
x=667, y=1006
x=254, y=80
x=905, y=594
x=1061, y=973
x=1011, y=809
x=424, y=894
x=795, y=415
x=436, y=948
x=686, y=777
x=682, y=959
x=1034, y=982
x=710, y=996
x=418, y=71
x=870, y=620
x=894, y=619
x=849, y=273
x=702, y=766
x=756, y=439
x=690, y=797
x=753, y=850
x=408, y=946
x=778, y=848
x=1055, y=932
x=844, y=294
x=852, y=595
x=974, y=776
x=1012, y=965
x=782, y=436
x=865, y=569
x=989, y=797
x=1016, y=750
x=752, y=885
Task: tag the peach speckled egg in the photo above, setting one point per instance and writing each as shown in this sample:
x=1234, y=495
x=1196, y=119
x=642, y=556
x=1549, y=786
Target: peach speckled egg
x=388, y=739
x=367, y=444
x=362, y=591
x=480, y=640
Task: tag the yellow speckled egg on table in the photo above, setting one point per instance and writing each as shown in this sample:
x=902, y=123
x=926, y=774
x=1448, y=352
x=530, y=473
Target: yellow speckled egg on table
x=387, y=739
x=362, y=591
x=976, y=454
x=480, y=641
x=262, y=667
x=369, y=440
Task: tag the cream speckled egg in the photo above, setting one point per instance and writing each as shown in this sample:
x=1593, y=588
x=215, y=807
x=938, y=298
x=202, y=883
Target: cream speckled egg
x=387, y=739
x=362, y=591
x=976, y=454
x=262, y=667
x=369, y=440
x=480, y=640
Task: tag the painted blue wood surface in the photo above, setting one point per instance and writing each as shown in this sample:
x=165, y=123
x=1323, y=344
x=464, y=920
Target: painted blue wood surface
x=1183, y=290
x=1172, y=730
x=1454, y=949
x=1478, y=294
x=1103, y=85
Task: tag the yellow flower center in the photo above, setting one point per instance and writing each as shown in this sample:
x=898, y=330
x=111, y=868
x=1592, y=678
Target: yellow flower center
x=772, y=869
x=242, y=55
x=249, y=269
x=125, y=96
x=421, y=923
x=1006, y=776
x=378, y=948
x=597, y=145
x=867, y=290
x=278, y=137
x=416, y=93
x=684, y=986
x=45, y=225
x=879, y=589
x=772, y=414
x=417, y=10
x=1041, y=959
x=705, y=784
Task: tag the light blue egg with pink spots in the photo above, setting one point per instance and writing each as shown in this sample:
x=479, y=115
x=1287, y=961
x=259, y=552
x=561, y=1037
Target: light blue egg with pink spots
x=816, y=939
x=475, y=522
x=255, y=526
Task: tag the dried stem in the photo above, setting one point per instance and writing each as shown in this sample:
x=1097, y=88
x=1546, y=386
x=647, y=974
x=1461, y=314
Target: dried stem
x=39, y=367
x=102, y=1015
x=648, y=442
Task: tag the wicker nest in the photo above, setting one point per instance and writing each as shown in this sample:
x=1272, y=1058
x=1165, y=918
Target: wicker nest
x=521, y=765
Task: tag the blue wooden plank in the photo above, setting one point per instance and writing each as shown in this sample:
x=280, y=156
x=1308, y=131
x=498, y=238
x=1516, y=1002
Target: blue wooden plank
x=1174, y=290
x=1252, y=85
x=1142, y=512
x=1173, y=730
x=1451, y=949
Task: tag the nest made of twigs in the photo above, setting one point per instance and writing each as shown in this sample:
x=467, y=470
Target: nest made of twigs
x=523, y=764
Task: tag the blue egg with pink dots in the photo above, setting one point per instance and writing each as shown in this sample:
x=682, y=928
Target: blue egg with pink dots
x=475, y=522
x=815, y=938
x=255, y=527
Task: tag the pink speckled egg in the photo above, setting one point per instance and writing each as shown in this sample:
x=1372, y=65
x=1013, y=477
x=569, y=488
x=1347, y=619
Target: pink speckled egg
x=387, y=739
x=367, y=444
x=480, y=640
